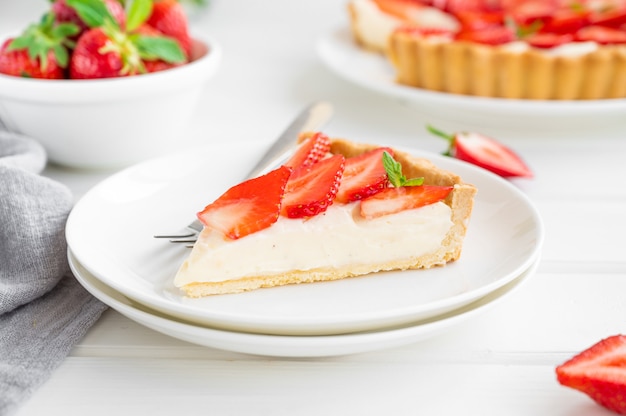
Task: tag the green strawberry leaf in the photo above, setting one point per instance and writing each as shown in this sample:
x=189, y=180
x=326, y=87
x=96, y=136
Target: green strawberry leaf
x=138, y=12
x=449, y=137
x=159, y=47
x=394, y=173
x=93, y=12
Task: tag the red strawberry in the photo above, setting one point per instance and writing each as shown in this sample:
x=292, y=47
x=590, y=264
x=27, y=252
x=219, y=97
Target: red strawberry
x=548, y=40
x=490, y=35
x=168, y=16
x=66, y=14
x=612, y=17
x=527, y=12
x=599, y=372
x=566, y=21
x=363, y=176
x=473, y=20
x=310, y=151
x=249, y=206
x=41, y=51
x=310, y=191
x=392, y=200
x=155, y=64
x=601, y=34
x=484, y=152
x=402, y=9
x=97, y=56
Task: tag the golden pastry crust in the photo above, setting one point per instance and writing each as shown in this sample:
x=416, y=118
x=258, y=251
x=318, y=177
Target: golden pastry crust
x=494, y=71
x=460, y=201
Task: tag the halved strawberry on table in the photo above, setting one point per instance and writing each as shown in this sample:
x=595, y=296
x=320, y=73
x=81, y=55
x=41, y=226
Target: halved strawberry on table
x=485, y=152
x=600, y=372
x=248, y=207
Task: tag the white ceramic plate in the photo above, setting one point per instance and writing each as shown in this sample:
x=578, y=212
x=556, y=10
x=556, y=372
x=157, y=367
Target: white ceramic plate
x=373, y=71
x=110, y=232
x=291, y=346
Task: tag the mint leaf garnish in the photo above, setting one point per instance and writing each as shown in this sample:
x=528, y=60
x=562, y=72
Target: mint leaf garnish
x=394, y=173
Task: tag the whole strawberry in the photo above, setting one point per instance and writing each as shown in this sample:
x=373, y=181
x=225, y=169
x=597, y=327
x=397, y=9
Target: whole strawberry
x=108, y=50
x=41, y=51
x=64, y=13
x=168, y=17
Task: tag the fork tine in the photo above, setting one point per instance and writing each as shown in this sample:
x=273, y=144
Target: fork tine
x=176, y=236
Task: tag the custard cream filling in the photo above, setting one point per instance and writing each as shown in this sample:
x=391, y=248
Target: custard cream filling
x=338, y=238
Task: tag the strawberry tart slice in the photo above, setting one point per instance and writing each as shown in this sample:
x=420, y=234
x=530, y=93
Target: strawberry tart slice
x=336, y=209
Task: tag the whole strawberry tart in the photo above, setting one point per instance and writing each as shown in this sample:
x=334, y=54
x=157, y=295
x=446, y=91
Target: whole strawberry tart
x=335, y=209
x=526, y=49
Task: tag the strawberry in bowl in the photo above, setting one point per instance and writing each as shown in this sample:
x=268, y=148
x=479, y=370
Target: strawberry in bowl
x=90, y=80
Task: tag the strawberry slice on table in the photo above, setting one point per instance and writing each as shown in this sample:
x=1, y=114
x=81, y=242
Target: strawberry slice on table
x=363, y=176
x=392, y=200
x=599, y=372
x=310, y=151
x=249, y=206
x=485, y=152
x=310, y=191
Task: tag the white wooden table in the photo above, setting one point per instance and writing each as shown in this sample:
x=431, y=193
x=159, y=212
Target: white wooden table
x=500, y=363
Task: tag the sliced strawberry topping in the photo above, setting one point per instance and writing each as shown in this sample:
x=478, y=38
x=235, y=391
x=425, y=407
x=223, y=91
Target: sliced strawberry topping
x=599, y=372
x=392, y=200
x=548, y=40
x=566, y=21
x=364, y=175
x=310, y=151
x=601, y=34
x=490, y=35
x=527, y=12
x=402, y=9
x=472, y=20
x=248, y=207
x=310, y=191
x=613, y=17
x=489, y=154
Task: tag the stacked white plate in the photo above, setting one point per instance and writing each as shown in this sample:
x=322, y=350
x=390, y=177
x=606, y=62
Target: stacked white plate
x=115, y=257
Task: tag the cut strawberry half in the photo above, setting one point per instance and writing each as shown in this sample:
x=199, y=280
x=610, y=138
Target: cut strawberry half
x=485, y=152
x=249, y=206
x=310, y=191
x=310, y=151
x=392, y=200
x=599, y=372
x=363, y=176
x=489, y=154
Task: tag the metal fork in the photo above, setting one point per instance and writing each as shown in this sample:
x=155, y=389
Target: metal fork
x=313, y=117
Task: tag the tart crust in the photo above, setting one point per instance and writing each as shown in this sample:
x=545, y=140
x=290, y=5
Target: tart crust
x=460, y=200
x=493, y=71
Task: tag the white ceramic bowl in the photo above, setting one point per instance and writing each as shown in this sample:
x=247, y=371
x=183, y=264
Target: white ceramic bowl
x=109, y=123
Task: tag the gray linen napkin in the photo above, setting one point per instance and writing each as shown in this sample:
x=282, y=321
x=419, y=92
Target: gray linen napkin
x=44, y=311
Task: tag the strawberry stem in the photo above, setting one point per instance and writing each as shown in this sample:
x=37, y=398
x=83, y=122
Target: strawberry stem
x=449, y=137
